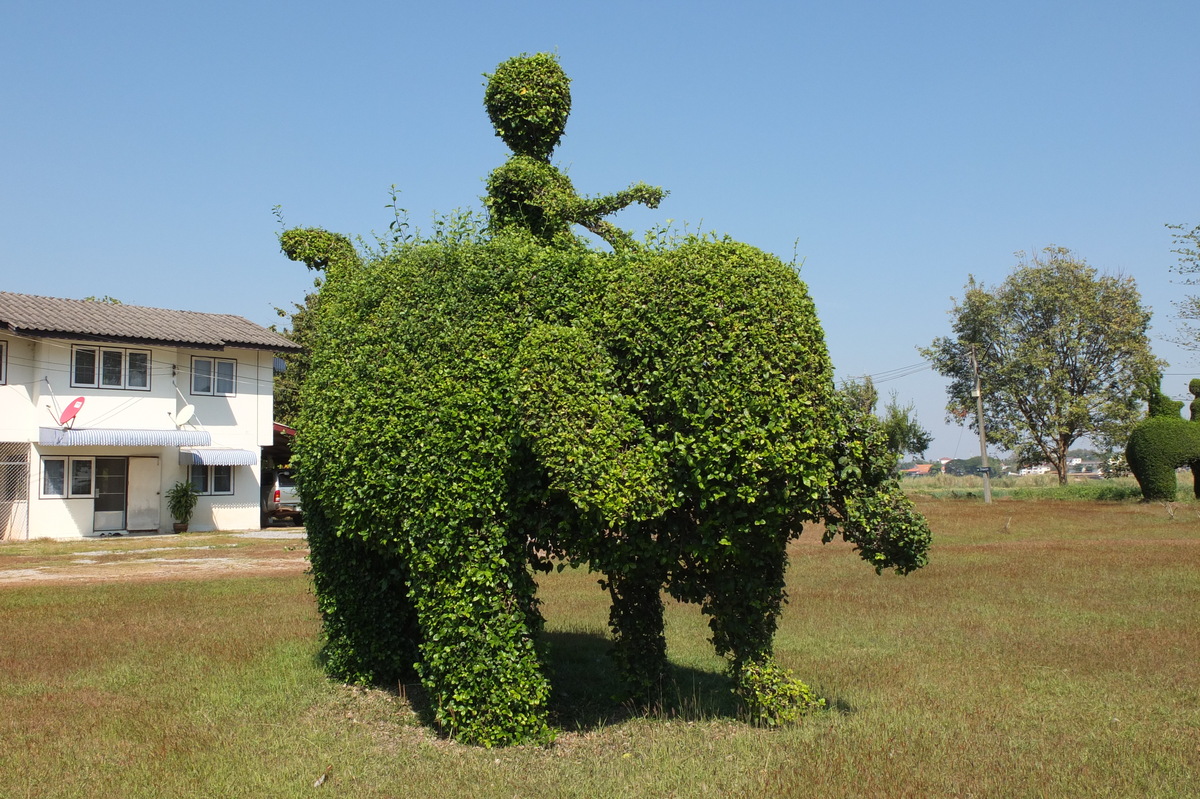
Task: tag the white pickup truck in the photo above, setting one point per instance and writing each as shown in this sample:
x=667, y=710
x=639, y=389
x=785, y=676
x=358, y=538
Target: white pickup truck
x=282, y=500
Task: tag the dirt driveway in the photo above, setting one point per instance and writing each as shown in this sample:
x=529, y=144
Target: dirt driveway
x=154, y=557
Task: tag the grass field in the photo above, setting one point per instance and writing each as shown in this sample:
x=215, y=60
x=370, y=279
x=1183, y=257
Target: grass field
x=1050, y=649
x=1038, y=487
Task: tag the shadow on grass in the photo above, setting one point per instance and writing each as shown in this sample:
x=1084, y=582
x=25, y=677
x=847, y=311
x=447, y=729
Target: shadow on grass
x=585, y=689
x=585, y=684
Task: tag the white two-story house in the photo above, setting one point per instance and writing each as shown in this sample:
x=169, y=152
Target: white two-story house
x=104, y=407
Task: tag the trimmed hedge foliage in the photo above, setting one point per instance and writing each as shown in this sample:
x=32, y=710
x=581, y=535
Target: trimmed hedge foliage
x=479, y=405
x=1163, y=443
x=528, y=99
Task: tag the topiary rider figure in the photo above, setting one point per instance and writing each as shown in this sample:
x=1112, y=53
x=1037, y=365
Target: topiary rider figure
x=528, y=100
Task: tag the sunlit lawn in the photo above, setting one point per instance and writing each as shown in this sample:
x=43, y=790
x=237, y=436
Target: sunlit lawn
x=1050, y=649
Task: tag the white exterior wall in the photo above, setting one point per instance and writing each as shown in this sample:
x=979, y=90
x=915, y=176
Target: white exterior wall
x=16, y=407
x=38, y=387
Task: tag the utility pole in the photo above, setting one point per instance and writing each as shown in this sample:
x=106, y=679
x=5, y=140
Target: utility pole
x=978, y=395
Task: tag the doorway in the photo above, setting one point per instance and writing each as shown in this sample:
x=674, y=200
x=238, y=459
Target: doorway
x=112, y=475
x=144, y=497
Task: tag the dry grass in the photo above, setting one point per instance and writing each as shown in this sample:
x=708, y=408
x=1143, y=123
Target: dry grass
x=152, y=556
x=1049, y=649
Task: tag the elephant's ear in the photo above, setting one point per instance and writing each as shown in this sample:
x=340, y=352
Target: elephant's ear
x=583, y=430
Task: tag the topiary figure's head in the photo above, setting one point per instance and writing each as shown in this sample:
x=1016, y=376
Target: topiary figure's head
x=528, y=99
x=1194, y=387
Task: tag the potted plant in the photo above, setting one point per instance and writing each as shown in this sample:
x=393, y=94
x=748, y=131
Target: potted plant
x=181, y=501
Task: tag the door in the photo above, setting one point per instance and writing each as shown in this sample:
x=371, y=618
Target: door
x=14, y=491
x=111, y=480
x=144, y=500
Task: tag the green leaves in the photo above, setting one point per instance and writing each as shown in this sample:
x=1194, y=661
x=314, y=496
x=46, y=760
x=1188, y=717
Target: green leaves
x=1061, y=352
x=1157, y=447
x=475, y=406
x=528, y=99
x=584, y=431
x=773, y=695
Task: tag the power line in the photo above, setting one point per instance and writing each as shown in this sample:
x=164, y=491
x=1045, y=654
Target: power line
x=899, y=372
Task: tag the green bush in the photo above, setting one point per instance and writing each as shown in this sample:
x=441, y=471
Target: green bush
x=774, y=696
x=1157, y=447
x=479, y=403
x=1162, y=443
x=181, y=501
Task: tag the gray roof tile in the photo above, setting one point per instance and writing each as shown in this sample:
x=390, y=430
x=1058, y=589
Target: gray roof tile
x=101, y=321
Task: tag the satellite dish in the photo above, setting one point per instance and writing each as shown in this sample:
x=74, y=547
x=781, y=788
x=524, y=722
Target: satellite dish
x=72, y=409
x=184, y=416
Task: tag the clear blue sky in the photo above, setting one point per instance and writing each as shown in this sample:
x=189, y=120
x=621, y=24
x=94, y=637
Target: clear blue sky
x=894, y=147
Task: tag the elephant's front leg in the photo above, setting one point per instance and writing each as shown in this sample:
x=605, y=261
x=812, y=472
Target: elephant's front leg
x=639, y=641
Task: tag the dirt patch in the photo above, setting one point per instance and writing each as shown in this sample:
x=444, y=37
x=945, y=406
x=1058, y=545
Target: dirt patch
x=155, y=558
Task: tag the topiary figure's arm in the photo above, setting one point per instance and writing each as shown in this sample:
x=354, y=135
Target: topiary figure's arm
x=533, y=194
x=590, y=213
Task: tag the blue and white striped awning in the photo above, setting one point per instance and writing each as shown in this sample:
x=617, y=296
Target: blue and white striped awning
x=100, y=437
x=217, y=456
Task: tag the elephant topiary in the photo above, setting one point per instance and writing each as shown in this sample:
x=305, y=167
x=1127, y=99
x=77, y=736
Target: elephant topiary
x=484, y=403
x=1163, y=442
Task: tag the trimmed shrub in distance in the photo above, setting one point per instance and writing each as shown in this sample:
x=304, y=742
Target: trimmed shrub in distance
x=1164, y=442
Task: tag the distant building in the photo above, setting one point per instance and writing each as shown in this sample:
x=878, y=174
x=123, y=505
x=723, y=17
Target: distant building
x=104, y=407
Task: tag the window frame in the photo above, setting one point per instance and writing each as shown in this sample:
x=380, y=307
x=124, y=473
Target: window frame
x=75, y=381
x=68, y=477
x=129, y=355
x=98, y=352
x=44, y=491
x=214, y=376
x=107, y=355
x=212, y=482
x=209, y=480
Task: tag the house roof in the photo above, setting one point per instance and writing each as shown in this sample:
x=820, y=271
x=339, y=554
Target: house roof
x=85, y=320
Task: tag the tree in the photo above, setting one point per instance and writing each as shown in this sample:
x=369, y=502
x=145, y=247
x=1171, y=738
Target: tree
x=1187, y=247
x=301, y=322
x=861, y=396
x=904, y=433
x=1062, y=353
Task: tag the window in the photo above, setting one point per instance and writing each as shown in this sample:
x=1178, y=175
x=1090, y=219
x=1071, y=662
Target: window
x=211, y=479
x=67, y=477
x=83, y=367
x=222, y=479
x=198, y=475
x=81, y=477
x=225, y=377
x=214, y=376
x=3, y=362
x=54, y=477
x=110, y=367
x=137, y=375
